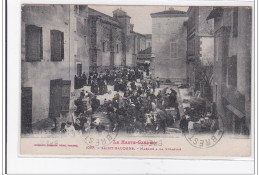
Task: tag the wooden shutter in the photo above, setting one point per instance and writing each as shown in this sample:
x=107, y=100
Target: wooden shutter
x=57, y=45
x=33, y=43
x=55, y=98
x=65, y=101
x=26, y=110
x=62, y=45
x=59, y=97
x=235, y=22
x=232, y=71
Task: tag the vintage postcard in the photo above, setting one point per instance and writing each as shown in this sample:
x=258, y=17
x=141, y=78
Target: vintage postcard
x=149, y=81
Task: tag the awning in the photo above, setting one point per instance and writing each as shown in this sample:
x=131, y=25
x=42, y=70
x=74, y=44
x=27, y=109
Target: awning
x=235, y=111
x=216, y=12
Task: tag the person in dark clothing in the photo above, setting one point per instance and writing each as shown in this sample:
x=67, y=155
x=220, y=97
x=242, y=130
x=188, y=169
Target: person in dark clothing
x=153, y=85
x=184, y=124
x=95, y=103
x=76, y=82
x=89, y=80
x=158, y=82
x=110, y=108
x=147, y=72
x=80, y=106
x=82, y=93
x=172, y=98
x=127, y=93
x=142, y=76
x=139, y=90
x=84, y=79
x=95, y=88
x=133, y=86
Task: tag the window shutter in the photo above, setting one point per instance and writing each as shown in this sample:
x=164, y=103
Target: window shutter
x=65, y=95
x=33, y=43
x=232, y=71
x=235, y=22
x=57, y=45
x=62, y=45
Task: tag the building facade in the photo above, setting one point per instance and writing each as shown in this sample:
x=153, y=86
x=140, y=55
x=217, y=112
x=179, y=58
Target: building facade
x=61, y=41
x=169, y=44
x=200, y=50
x=232, y=67
x=46, y=44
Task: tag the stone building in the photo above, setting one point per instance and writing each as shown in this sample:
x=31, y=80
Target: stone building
x=169, y=44
x=133, y=41
x=200, y=50
x=61, y=41
x=106, y=39
x=113, y=43
x=232, y=67
x=48, y=61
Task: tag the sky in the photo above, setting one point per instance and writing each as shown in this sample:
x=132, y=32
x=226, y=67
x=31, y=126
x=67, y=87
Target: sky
x=140, y=15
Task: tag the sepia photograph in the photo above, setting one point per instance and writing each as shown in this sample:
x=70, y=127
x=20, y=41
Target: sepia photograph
x=105, y=80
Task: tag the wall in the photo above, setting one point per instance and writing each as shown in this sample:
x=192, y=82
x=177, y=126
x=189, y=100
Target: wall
x=34, y=74
x=226, y=46
x=80, y=37
x=105, y=29
x=130, y=50
x=164, y=31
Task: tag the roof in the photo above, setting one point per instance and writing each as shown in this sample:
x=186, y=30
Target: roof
x=148, y=36
x=216, y=12
x=169, y=12
x=137, y=33
x=146, y=51
x=102, y=14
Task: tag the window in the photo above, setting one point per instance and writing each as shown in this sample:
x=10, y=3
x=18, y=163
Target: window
x=149, y=44
x=57, y=45
x=235, y=22
x=117, y=49
x=33, y=43
x=232, y=71
x=173, y=50
x=103, y=46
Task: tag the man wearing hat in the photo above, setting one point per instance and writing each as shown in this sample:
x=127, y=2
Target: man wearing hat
x=95, y=103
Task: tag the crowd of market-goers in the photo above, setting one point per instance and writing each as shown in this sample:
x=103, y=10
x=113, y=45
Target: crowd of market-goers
x=139, y=109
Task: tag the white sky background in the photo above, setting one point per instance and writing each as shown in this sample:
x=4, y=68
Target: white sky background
x=140, y=15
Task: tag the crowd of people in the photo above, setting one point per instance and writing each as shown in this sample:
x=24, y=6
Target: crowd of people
x=199, y=119
x=139, y=108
